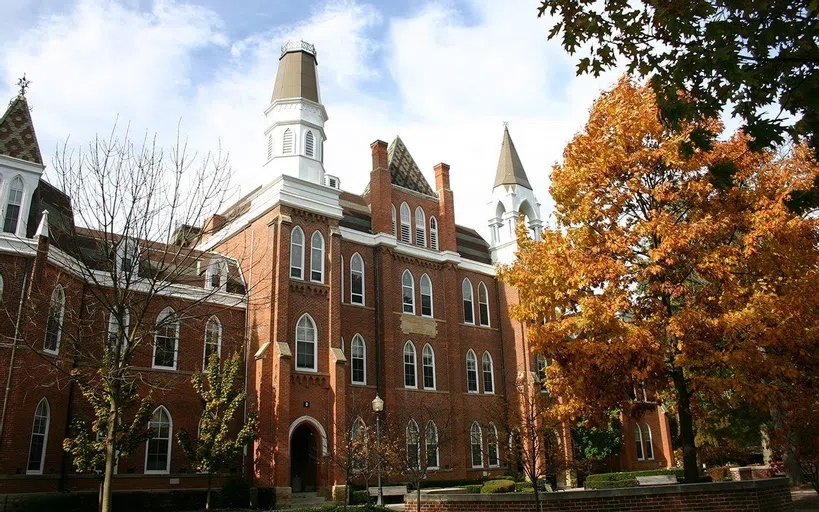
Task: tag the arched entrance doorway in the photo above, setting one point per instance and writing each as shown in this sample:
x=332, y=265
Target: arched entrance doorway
x=304, y=458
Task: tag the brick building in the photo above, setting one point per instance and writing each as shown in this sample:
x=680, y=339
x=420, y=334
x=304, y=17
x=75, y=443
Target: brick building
x=347, y=297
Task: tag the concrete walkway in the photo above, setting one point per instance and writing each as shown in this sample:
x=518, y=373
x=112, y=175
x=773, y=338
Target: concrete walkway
x=804, y=500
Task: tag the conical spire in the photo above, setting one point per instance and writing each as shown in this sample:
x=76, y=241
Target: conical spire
x=17, y=138
x=510, y=169
x=296, y=77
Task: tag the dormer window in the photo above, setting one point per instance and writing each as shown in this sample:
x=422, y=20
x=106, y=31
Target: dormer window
x=309, y=143
x=127, y=259
x=13, y=205
x=216, y=278
x=287, y=142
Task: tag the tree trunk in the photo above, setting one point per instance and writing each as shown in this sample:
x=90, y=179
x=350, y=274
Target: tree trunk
x=110, y=455
x=537, y=497
x=99, y=497
x=210, y=485
x=418, y=496
x=691, y=472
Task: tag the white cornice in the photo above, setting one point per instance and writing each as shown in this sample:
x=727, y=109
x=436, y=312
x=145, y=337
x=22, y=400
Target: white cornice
x=21, y=165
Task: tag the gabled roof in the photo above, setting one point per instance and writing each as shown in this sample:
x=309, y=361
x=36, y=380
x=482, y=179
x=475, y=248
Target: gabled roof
x=403, y=169
x=17, y=138
x=510, y=169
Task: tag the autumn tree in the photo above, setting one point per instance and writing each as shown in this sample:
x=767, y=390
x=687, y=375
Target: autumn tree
x=217, y=442
x=673, y=265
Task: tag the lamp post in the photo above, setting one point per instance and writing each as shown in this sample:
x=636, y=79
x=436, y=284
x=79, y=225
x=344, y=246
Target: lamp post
x=378, y=407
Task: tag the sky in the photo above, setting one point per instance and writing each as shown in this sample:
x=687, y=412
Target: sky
x=444, y=75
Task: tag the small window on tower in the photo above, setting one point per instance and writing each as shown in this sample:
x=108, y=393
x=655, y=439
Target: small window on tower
x=269, y=147
x=308, y=144
x=287, y=142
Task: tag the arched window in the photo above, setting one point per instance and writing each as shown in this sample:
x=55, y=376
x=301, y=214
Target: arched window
x=309, y=143
x=420, y=227
x=287, y=142
x=13, y=205
x=492, y=446
x=306, y=344
x=39, y=439
x=431, y=442
x=413, y=445
x=393, y=221
x=317, y=257
x=476, y=443
x=471, y=372
x=649, y=443
x=406, y=234
x=158, y=446
x=115, y=333
x=426, y=296
x=213, y=340
x=166, y=339
x=357, y=279
x=409, y=366
x=469, y=309
x=408, y=292
x=483, y=304
x=358, y=355
x=54, y=325
x=297, y=253
x=428, y=363
x=433, y=233
x=488, y=374
x=638, y=442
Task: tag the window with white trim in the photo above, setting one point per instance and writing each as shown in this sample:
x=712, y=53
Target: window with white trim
x=483, y=304
x=420, y=227
x=428, y=364
x=426, y=296
x=213, y=340
x=158, y=445
x=409, y=366
x=638, y=442
x=297, y=253
x=471, y=372
x=433, y=233
x=287, y=142
x=309, y=143
x=649, y=443
x=54, y=324
x=469, y=308
x=357, y=279
x=408, y=292
x=358, y=359
x=413, y=445
x=431, y=445
x=306, y=344
x=115, y=333
x=492, y=446
x=39, y=439
x=406, y=232
x=476, y=445
x=488, y=374
x=217, y=274
x=166, y=339
x=317, y=257
x=13, y=205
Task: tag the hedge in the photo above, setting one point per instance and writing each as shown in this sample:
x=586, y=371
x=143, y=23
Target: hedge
x=626, y=478
x=498, y=486
x=473, y=489
x=524, y=487
x=359, y=497
x=340, y=508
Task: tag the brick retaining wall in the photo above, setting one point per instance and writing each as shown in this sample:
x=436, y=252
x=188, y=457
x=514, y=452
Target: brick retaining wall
x=772, y=495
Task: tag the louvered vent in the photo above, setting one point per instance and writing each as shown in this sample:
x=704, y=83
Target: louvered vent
x=287, y=142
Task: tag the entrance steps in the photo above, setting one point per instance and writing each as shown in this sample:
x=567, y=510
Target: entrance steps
x=307, y=500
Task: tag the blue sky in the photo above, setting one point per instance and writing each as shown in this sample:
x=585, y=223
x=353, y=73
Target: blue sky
x=442, y=74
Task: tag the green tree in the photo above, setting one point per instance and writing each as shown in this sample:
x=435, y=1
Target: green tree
x=217, y=444
x=759, y=57
x=595, y=443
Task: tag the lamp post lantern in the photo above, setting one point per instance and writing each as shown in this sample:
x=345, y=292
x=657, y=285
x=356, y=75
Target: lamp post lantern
x=378, y=407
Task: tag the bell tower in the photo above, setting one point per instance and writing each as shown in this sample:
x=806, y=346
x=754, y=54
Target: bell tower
x=294, y=130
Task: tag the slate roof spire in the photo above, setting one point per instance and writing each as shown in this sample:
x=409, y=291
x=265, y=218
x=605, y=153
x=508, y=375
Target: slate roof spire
x=17, y=138
x=404, y=172
x=510, y=169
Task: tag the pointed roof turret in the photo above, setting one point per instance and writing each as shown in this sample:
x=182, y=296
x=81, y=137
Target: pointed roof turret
x=296, y=77
x=510, y=169
x=17, y=138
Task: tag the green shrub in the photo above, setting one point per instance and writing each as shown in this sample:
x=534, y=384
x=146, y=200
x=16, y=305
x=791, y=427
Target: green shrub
x=498, y=486
x=524, y=487
x=473, y=489
x=340, y=508
x=359, y=497
x=626, y=478
x=235, y=493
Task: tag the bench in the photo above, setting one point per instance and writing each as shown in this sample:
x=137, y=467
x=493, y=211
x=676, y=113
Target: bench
x=656, y=480
x=389, y=490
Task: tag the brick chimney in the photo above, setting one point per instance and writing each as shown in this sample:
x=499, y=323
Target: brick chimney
x=446, y=209
x=380, y=189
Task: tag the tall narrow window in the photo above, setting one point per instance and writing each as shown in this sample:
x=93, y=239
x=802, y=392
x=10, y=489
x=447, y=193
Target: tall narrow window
x=431, y=442
x=408, y=292
x=287, y=142
x=394, y=233
x=309, y=143
x=483, y=304
x=413, y=445
x=471, y=372
x=1, y=288
x=426, y=296
x=638, y=442
x=420, y=227
x=13, y=205
x=297, y=253
x=649, y=443
x=54, y=325
x=358, y=355
x=359, y=444
x=357, y=279
x=406, y=234
x=213, y=340
x=409, y=366
x=469, y=309
x=158, y=448
x=117, y=333
x=433, y=233
x=492, y=446
x=317, y=257
x=269, y=147
x=428, y=362
x=39, y=438
x=476, y=443
x=488, y=374
x=217, y=274
x=166, y=339
x=306, y=343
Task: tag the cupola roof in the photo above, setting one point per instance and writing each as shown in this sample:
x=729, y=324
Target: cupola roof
x=296, y=77
x=510, y=169
x=17, y=138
